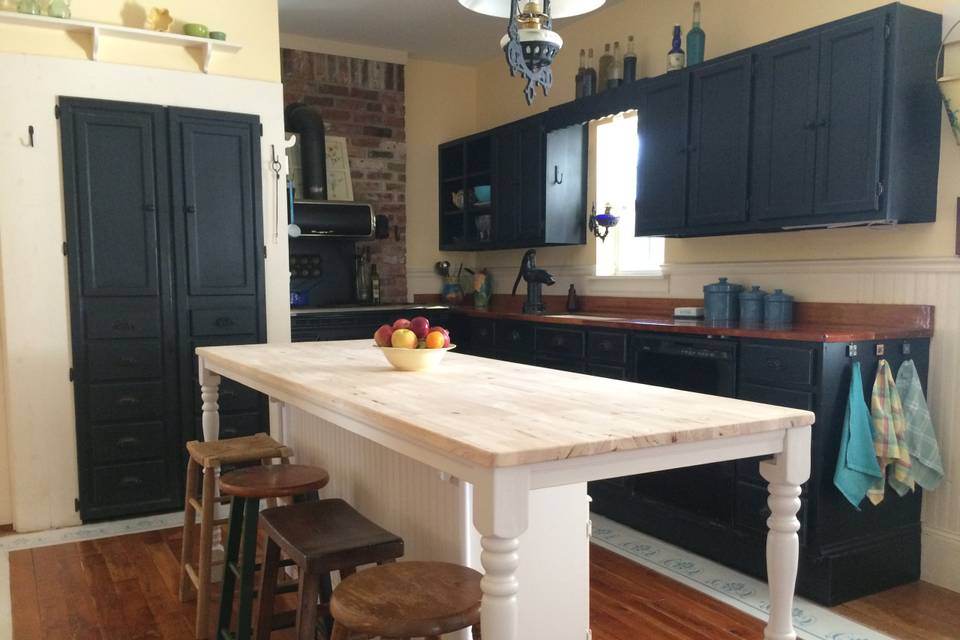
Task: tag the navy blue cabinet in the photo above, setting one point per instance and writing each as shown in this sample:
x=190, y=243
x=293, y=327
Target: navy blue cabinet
x=164, y=254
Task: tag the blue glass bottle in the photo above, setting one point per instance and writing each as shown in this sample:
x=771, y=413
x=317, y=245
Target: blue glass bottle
x=695, y=38
x=675, y=57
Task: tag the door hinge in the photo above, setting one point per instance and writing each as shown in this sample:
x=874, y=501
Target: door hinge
x=261, y=129
x=56, y=111
x=589, y=529
x=886, y=30
x=71, y=374
x=748, y=205
x=65, y=251
x=76, y=505
x=264, y=252
x=879, y=188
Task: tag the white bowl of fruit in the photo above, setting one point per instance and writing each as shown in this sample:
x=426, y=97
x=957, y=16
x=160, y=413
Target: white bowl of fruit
x=413, y=345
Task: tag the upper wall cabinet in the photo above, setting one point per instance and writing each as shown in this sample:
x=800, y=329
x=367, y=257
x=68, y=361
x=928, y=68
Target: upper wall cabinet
x=514, y=186
x=844, y=129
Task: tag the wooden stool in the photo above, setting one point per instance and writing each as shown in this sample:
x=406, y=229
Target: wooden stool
x=206, y=459
x=247, y=487
x=320, y=538
x=407, y=600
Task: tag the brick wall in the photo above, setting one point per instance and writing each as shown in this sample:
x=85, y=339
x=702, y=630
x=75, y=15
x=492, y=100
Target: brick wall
x=363, y=101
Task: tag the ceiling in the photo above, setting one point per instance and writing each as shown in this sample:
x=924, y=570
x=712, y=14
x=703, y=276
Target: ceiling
x=433, y=29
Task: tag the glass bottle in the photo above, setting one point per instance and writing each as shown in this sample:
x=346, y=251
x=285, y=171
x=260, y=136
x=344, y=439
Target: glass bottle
x=606, y=61
x=695, y=38
x=580, y=72
x=589, y=76
x=675, y=57
x=616, y=68
x=630, y=62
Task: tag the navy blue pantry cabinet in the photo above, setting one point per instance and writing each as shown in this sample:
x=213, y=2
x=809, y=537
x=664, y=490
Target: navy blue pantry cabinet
x=139, y=304
x=844, y=129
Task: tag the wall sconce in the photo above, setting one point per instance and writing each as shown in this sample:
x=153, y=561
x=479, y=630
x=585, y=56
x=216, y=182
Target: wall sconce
x=950, y=87
x=604, y=221
x=530, y=44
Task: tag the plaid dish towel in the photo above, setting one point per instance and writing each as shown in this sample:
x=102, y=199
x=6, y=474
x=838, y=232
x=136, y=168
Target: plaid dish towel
x=857, y=468
x=926, y=466
x=889, y=431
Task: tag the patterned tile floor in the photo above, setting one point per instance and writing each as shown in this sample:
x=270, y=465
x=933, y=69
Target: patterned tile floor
x=747, y=594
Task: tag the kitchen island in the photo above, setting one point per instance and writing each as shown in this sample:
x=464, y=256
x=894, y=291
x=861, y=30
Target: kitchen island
x=524, y=441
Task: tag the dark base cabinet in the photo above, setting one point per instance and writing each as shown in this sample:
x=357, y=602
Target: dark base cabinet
x=356, y=325
x=720, y=510
x=164, y=253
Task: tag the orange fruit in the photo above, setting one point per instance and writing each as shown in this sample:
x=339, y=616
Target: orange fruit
x=435, y=340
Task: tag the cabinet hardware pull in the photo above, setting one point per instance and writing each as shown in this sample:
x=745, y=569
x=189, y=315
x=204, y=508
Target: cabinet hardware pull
x=191, y=208
x=149, y=207
x=127, y=401
x=557, y=176
x=127, y=360
x=823, y=123
x=605, y=345
x=127, y=441
x=131, y=481
x=558, y=341
x=774, y=363
x=515, y=335
x=224, y=321
x=123, y=325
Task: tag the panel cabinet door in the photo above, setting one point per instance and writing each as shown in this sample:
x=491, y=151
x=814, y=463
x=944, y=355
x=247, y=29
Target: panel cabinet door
x=565, y=186
x=662, y=166
x=784, y=136
x=507, y=185
x=719, y=142
x=530, y=221
x=852, y=58
x=216, y=196
x=113, y=167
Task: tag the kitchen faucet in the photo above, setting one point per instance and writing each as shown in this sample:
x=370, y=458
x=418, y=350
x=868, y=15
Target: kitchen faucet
x=535, y=279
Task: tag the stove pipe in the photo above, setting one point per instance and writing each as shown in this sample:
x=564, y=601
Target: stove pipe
x=307, y=122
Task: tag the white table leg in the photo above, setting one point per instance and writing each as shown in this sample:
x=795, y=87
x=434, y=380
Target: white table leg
x=500, y=511
x=210, y=422
x=785, y=473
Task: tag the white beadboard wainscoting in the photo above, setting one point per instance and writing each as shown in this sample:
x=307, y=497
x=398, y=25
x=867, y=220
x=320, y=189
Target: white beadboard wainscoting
x=933, y=281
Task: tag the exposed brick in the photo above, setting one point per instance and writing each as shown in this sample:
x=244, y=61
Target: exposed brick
x=364, y=94
x=320, y=101
x=379, y=153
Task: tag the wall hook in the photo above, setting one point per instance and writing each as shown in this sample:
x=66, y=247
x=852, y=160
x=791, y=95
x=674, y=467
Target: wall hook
x=881, y=349
x=30, y=140
x=852, y=350
x=906, y=349
x=557, y=176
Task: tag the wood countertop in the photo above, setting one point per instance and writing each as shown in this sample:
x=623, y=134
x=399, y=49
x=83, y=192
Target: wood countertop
x=492, y=413
x=813, y=321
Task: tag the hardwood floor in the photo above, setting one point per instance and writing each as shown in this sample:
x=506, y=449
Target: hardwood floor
x=125, y=588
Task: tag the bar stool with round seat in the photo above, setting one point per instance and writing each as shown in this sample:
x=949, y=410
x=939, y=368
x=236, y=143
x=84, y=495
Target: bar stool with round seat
x=206, y=459
x=406, y=600
x=247, y=487
x=320, y=538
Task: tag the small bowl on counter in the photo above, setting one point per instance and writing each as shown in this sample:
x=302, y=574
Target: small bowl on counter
x=414, y=359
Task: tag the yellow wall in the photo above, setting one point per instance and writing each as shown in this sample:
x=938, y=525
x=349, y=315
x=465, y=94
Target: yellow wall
x=441, y=104
x=730, y=25
x=250, y=23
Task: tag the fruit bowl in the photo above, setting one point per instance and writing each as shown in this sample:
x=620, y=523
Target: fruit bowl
x=414, y=359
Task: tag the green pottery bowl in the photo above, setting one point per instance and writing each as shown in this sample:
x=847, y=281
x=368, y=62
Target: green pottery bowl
x=196, y=30
x=218, y=35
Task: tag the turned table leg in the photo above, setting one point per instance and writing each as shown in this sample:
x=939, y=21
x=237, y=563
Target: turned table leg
x=785, y=474
x=210, y=422
x=500, y=515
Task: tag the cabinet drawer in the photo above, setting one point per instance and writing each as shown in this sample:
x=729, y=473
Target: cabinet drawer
x=576, y=366
x=234, y=426
x=607, y=371
x=126, y=442
x=126, y=401
x=135, y=483
x=124, y=360
x=219, y=322
x=607, y=346
x=515, y=336
x=752, y=510
x=568, y=343
x=122, y=319
x=482, y=333
x=748, y=469
x=776, y=365
x=233, y=397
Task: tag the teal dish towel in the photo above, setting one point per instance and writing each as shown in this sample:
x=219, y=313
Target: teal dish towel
x=927, y=467
x=857, y=467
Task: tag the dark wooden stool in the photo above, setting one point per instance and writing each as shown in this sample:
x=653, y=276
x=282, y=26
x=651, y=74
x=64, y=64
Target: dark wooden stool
x=247, y=487
x=407, y=600
x=206, y=460
x=320, y=538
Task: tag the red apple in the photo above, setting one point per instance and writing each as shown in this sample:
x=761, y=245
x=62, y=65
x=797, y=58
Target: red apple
x=383, y=335
x=420, y=326
x=401, y=323
x=403, y=339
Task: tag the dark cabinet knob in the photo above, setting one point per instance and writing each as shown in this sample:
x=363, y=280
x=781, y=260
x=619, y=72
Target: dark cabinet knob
x=123, y=325
x=558, y=341
x=126, y=361
x=224, y=321
x=605, y=345
x=515, y=336
x=127, y=441
x=130, y=481
x=191, y=208
x=128, y=401
x=774, y=363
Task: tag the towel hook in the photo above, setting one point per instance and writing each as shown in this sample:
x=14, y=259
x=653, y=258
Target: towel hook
x=906, y=348
x=30, y=134
x=881, y=349
x=852, y=350
x=557, y=175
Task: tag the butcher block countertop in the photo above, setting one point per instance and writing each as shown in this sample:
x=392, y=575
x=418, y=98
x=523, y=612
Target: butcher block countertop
x=813, y=321
x=492, y=413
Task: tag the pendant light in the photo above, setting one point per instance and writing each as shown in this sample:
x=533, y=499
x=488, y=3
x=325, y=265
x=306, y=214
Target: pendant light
x=530, y=44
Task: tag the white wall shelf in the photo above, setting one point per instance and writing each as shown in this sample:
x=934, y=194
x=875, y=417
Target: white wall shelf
x=99, y=30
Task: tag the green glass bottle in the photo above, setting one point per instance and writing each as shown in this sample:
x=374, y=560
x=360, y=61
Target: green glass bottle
x=695, y=38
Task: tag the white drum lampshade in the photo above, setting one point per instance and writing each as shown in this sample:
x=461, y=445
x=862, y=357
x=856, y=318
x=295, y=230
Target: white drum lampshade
x=558, y=8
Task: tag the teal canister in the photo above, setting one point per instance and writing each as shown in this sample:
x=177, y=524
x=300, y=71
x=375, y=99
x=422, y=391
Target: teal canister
x=777, y=310
x=751, y=307
x=721, y=303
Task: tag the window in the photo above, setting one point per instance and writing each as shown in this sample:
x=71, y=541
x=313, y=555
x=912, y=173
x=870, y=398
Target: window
x=617, y=148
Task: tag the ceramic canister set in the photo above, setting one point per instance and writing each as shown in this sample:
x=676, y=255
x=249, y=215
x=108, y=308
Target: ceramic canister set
x=728, y=304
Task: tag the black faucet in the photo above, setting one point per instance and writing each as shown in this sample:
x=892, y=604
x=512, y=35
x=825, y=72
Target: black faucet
x=535, y=279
